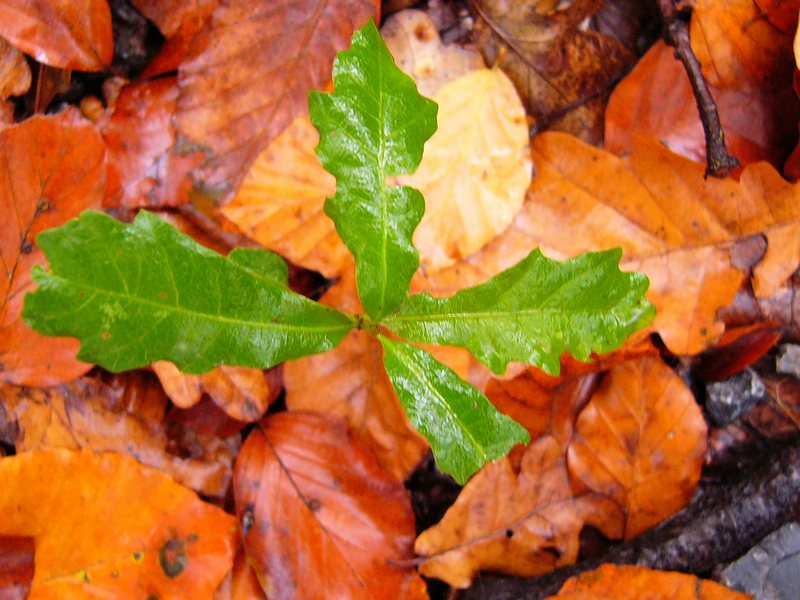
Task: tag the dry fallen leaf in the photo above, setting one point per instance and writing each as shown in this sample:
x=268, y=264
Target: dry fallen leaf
x=656, y=99
x=51, y=168
x=84, y=414
x=673, y=225
x=68, y=34
x=562, y=73
x=279, y=203
x=319, y=516
x=414, y=42
x=108, y=526
x=240, y=583
x=475, y=169
x=628, y=582
x=144, y=170
x=640, y=441
x=235, y=97
x=15, y=78
x=16, y=566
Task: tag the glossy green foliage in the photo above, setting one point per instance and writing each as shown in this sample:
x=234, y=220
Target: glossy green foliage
x=534, y=311
x=373, y=127
x=465, y=430
x=135, y=294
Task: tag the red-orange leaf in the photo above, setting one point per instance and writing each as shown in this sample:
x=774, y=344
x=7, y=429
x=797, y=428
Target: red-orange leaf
x=69, y=34
x=235, y=94
x=16, y=566
x=51, y=168
x=320, y=517
x=106, y=526
x=613, y=582
x=640, y=441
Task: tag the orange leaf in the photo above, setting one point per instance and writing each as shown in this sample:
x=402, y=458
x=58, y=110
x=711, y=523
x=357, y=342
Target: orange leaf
x=51, y=168
x=640, y=441
x=15, y=74
x=656, y=99
x=68, y=34
x=672, y=224
x=143, y=167
x=235, y=96
x=623, y=582
x=108, y=526
x=279, y=203
x=240, y=583
x=320, y=516
x=87, y=414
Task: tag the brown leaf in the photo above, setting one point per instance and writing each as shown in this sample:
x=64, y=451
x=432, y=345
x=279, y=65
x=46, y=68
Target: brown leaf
x=627, y=582
x=672, y=224
x=51, y=168
x=640, y=441
x=240, y=583
x=279, y=203
x=144, y=169
x=235, y=97
x=68, y=34
x=86, y=414
x=562, y=73
x=320, y=516
x=656, y=99
x=138, y=529
x=351, y=383
x=16, y=566
x=15, y=74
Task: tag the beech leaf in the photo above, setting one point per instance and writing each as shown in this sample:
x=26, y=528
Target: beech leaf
x=464, y=429
x=534, y=311
x=372, y=127
x=135, y=294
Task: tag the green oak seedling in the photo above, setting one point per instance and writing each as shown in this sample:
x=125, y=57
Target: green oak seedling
x=141, y=292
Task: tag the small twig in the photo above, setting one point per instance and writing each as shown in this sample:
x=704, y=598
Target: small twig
x=676, y=35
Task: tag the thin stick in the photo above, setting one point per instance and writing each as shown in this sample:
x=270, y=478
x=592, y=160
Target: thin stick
x=676, y=34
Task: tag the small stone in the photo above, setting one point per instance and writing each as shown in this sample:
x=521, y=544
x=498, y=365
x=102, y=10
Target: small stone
x=788, y=362
x=727, y=400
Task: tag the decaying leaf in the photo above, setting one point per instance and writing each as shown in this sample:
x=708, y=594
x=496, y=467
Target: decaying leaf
x=673, y=225
x=640, y=441
x=320, y=516
x=60, y=33
x=85, y=414
x=16, y=566
x=628, y=582
x=235, y=97
x=279, y=203
x=475, y=169
x=138, y=529
x=414, y=42
x=51, y=168
x=15, y=78
x=562, y=73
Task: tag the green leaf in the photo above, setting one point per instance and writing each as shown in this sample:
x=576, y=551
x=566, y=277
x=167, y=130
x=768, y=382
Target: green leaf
x=464, y=429
x=135, y=294
x=534, y=311
x=372, y=127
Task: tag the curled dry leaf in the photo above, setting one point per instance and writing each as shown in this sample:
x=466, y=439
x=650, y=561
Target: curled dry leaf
x=51, y=168
x=15, y=78
x=414, y=42
x=243, y=393
x=318, y=513
x=60, y=33
x=628, y=582
x=475, y=169
x=84, y=414
x=144, y=169
x=558, y=69
x=519, y=514
x=656, y=99
x=351, y=383
x=280, y=202
x=738, y=46
x=673, y=225
x=640, y=441
x=139, y=530
x=235, y=98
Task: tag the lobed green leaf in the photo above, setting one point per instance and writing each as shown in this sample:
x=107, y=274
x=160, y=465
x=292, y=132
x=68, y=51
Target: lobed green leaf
x=134, y=294
x=464, y=429
x=534, y=311
x=374, y=126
